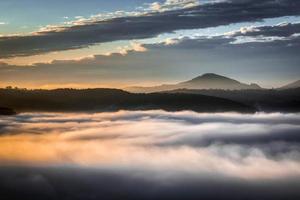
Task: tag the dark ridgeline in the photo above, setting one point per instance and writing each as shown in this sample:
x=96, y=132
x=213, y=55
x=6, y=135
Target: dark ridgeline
x=206, y=93
x=285, y=99
x=61, y=100
x=272, y=100
x=7, y=111
x=292, y=85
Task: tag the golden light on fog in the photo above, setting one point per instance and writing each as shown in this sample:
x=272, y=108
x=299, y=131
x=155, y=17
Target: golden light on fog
x=159, y=141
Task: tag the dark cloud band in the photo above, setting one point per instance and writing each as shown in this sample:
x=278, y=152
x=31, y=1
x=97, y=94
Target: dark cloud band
x=146, y=26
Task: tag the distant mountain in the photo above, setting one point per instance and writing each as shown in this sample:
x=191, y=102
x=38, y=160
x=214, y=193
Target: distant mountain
x=295, y=84
x=215, y=81
x=205, y=81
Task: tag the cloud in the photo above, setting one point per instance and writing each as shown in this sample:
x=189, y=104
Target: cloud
x=244, y=52
x=121, y=153
x=134, y=46
x=282, y=31
x=244, y=146
x=145, y=25
x=285, y=33
x=173, y=5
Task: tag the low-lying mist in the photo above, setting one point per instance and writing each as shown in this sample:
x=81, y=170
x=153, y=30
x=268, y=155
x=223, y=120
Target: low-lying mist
x=150, y=155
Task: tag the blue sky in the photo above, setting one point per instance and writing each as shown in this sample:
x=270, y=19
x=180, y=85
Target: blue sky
x=34, y=13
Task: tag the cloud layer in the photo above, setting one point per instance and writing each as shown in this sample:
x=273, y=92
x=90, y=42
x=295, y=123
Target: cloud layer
x=244, y=52
x=251, y=147
x=144, y=25
x=150, y=154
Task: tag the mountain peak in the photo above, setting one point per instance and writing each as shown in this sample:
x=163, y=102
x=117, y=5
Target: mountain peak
x=216, y=81
x=204, y=81
x=210, y=76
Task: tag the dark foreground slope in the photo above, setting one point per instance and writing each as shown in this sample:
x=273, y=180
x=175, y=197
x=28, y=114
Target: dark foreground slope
x=112, y=99
x=7, y=111
x=273, y=100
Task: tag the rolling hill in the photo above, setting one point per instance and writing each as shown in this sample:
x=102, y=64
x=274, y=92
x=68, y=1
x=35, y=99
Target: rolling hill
x=97, y=100
x=295, y=84
x=266, y=100
x=205, y=81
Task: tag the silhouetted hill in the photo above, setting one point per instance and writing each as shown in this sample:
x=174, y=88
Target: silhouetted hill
x=205, y=81
x=287, y=100
x=295, y=84
x=112, y=100
x=7, y=111
x=215, y=81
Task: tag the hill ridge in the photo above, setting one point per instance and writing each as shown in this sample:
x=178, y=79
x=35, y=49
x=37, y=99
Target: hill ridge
x=295, y=84
x=204, y=81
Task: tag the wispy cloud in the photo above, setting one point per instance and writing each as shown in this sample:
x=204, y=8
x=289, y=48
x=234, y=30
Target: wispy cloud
x=172, y=5
x=143, y=25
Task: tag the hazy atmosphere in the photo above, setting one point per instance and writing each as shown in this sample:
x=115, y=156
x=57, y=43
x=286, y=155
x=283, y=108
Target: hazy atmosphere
x=150, y=99
x=160, y=150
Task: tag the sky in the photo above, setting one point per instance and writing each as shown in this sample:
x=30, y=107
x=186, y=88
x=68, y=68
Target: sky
x=97, y=43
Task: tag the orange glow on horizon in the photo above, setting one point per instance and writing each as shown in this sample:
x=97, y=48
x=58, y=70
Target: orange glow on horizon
x=50, y=86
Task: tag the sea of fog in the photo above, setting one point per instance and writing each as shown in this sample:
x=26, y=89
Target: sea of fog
x=150, y=155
